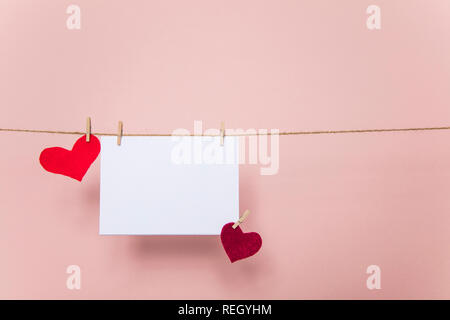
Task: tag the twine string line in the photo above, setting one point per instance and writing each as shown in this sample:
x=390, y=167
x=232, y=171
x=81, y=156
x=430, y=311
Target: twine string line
x=282, y=133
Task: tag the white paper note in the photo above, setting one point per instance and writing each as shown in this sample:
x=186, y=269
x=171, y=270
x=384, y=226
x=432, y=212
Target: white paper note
x=168, y=185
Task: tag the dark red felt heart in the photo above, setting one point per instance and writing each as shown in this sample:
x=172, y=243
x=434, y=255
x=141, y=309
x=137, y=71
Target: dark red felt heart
x=237, y=244
x=72, y=163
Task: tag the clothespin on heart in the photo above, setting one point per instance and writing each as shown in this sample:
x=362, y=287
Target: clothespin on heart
x=88, y=129
x=241, y=219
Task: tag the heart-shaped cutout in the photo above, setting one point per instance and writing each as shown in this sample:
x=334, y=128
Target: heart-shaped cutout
x=72, y=163
x=237, y=244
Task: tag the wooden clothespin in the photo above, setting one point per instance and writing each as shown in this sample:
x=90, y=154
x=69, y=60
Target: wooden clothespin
x=88, y=129
x=222, y=133
x=241, y=219
x=119, y=133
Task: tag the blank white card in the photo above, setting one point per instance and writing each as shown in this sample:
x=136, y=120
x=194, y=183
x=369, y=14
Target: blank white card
x=168, y=185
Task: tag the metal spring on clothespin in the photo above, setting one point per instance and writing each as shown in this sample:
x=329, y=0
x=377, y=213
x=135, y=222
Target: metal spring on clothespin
x=119, y=133
x=88, y=129
x=222, y=133
x=241, y=219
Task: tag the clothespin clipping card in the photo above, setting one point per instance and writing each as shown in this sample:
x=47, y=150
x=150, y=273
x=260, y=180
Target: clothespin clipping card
x=222, y=133
x=88, y=129
x=119, y=133
x=241, y=219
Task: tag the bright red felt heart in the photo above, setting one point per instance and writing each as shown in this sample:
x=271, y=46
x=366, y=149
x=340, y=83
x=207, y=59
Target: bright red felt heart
x=237, y=244
x=72, y=163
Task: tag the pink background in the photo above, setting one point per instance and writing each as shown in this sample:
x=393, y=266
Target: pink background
x=339, y=202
